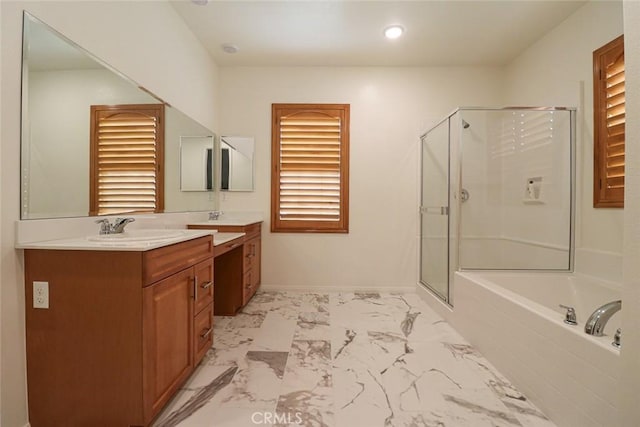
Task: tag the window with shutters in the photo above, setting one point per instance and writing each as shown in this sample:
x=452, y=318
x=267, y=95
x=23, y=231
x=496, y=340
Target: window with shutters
x=126, y=160
x=609, y=123
x=310, y=168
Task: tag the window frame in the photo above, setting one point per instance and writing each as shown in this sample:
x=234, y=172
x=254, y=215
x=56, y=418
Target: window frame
x=603, y=195
x=310, y=226
x=155, y=110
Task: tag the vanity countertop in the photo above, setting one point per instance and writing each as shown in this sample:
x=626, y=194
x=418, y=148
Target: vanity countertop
x=128, y=241
x=221, y=238
x=232, y=222
x=239, y=219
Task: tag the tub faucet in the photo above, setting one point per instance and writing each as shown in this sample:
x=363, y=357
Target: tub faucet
x=599, y=318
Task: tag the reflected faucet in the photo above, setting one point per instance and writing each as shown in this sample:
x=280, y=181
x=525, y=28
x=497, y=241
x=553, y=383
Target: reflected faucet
x=214, y=215
x=599, y=318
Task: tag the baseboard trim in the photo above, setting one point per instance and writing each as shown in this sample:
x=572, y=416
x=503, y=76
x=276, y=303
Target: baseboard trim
x=339, y=289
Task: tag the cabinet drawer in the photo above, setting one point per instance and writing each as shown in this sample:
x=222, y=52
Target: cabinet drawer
x=203, y=285
x=253, y=230
x=249, y=255
x=202, y=333
x=163, y=262
x=248, y=287
x=226, y=247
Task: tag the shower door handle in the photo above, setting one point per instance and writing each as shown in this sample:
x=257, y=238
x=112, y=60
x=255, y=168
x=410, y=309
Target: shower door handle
x=434, y=210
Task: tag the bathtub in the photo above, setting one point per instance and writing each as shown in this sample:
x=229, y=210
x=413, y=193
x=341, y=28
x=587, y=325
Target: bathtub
x=515, y=321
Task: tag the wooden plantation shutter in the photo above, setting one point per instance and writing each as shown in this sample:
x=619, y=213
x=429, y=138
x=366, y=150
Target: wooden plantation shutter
x=609, y=124
x=127, y=145
x=310, y=173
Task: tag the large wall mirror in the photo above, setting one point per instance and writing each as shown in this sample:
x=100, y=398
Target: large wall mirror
x=60, y=83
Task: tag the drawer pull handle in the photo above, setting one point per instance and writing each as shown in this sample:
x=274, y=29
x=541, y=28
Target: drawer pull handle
x=207, y=285
x=235, y=245
x=206, y=333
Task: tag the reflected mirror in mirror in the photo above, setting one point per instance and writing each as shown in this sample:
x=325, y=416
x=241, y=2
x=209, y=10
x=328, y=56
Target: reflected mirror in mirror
x=60, y=83
x=196, y=163
x=236, y=163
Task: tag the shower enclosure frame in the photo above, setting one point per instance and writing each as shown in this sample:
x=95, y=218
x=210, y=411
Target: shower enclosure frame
x=454, y=178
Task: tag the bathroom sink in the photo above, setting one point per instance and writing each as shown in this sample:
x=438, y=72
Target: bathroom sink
x=137, y=236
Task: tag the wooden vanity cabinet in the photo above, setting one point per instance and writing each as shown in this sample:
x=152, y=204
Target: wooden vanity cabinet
x=122, y=333
x=237, y=269
x=252, y=261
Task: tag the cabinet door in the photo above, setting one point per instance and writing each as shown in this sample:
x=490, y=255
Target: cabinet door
x=167, y=338
x=203, y=285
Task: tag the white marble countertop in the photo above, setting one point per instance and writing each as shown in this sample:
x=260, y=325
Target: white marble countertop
x=221, y=238
x=237, y=222
x=120, y=242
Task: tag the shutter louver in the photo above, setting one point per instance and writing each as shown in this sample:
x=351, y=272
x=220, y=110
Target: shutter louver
x=615, y=123
x=127, y=153
x=311, y=170
x=609, y=123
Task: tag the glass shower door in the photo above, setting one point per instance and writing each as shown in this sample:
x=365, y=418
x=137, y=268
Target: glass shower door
x=434, y=211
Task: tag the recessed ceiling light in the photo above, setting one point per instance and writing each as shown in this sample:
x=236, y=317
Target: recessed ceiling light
x=230, y=48
x=393, y=31
x=200, y=2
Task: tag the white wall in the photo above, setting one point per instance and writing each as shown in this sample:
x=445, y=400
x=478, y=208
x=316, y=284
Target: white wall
x=629, y=389
x=161, y=54
x=390, y=108
x=557, y=71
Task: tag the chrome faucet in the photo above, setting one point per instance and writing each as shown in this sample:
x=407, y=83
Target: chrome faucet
x=599, y=318
x=105, y=226
x=117, y=227
x=120, y=223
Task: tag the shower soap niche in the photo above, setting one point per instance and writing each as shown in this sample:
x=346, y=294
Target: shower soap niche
x=533, y=190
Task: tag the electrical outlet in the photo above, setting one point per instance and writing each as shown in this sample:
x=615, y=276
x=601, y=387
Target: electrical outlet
x=40, y=294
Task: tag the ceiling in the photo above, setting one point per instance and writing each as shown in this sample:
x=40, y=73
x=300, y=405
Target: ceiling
x=350, y=32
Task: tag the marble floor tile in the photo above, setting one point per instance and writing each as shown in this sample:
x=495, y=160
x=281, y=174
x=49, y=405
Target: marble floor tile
x=363, y=359
x=313, y=326
x=276, y=333
x=230, y=346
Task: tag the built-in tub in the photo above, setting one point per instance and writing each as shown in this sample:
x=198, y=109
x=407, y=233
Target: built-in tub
x=514, y=319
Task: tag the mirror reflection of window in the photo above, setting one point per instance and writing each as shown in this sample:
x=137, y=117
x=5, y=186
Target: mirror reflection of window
x=236, y=163
x=126, y=159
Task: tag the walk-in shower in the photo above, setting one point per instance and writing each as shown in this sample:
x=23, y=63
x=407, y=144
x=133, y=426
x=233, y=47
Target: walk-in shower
x=497, y=193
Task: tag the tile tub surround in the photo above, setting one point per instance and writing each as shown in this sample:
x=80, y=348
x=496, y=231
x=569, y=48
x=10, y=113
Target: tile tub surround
x=348, y=359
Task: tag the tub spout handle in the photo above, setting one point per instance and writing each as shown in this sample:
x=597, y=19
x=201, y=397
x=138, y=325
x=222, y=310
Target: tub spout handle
x=616, y=338
x=570, y=316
